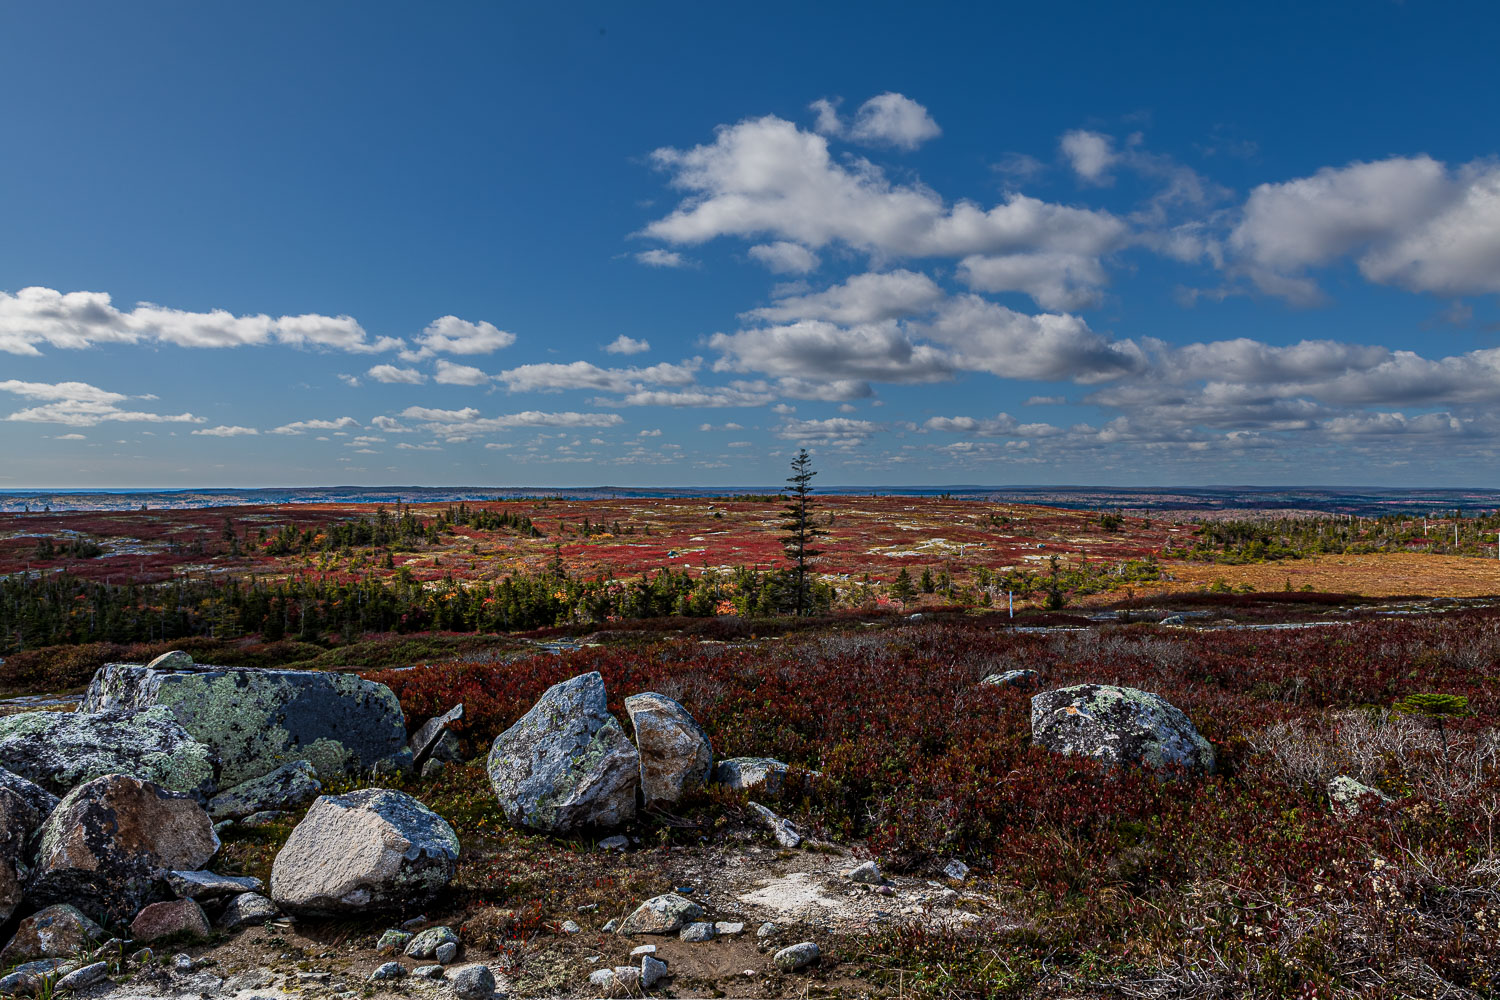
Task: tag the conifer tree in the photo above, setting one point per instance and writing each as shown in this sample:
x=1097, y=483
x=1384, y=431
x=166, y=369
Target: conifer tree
x=797, y=542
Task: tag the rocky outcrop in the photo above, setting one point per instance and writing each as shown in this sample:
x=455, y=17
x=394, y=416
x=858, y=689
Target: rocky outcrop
x=58, y=931
x=109, y=843
x=258, y=720
x=35, y=795
x=1118, y=726
x=741, y=774
x=287, y=787
x=434, y=736
x=61, y=750
x=370, y=850
x=676, y=756
x=18, y=821
x=567, y=763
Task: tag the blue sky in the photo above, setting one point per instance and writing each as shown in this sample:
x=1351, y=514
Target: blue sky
x=367, y=243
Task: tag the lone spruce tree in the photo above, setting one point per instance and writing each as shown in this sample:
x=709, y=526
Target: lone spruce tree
x=799, y=528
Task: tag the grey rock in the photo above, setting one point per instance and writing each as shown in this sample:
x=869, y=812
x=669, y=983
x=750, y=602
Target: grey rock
x=262, y=819
x=290, y=785
x=55, y=932
x=1118, y=726
x=653, y=971
x=664, y=914
x=766, y=933
x=726, y=928
x=567, y=763
x=258, y=720
x=781, y=828
x=82, y=979
x=210, y=885
x=611, y=927
x=183, y=962
x=676, y=755
x=390, y=970
x=34, y=795
x=603, y=980
x=393, y=941
x=1174, y=620
x=249, y=909
x=170, y=918
x=1348, y=798
x=956, y=870
x=62, y=750
x=416, y=921
x=1011, y=678
x=618, y=842
x=643, y=949
x=741, y=774
x=571, y=927
x=473, y=982
x=797, y=956
x=427, y=943
x=29, y=979
x=868, y=873
x=18, y=821
x=432, y=768
x=697, y=932
x=369, y=850
x=174, y=660
x=430, y=971
x=425, y=741
x=108, y=841
x=446, y=953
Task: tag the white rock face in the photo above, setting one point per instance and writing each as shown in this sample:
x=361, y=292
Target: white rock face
x=676, y=755
x=369, y=850
x=566, y=764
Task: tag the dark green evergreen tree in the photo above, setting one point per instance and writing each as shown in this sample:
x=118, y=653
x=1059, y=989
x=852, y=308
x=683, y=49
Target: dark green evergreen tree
x=800, y=533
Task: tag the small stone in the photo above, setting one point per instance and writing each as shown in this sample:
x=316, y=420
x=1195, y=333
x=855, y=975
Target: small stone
x=426, y=944
x=416, y=921
x=616, y=843
x=312, y=977
x=695, y=933
x=177, y=917
x=664, y=914
x=867, y=873
x=589, y=908
x=390, y=970
x=798, y=956
x=956, y=870
x=1011, y=678
x=645, y=949
x=571, y=927
x=83, y=978
x=653, y=971
x=429, y=971
x=603, y=979
x=393, y=941
x=182, y=962
x=446, y=953
x=474, y=982
x=432, y=768
x=724, y=928
x=765, y=934
x=139, y=957
x=629, y=977
x=264, y=818
x=885, y=890
x=249, y=909
x=612, y=927
x=1348, y=798
x=111, y=948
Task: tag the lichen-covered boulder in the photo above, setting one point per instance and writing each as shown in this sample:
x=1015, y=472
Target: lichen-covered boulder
x=741, y=774
x=1348, y=797
x=257, y=720
x=374, y=849
x=1011, y=678
x=665, y=914
x=109, y=844
x=58, y=931
x=288, y=786
x=18, y=820
x=35, y=795
x=1118, y=726
x=567, y=763
x=676, y=755
x=61, y=750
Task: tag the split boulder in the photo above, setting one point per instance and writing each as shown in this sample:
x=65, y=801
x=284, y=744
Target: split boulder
x=370, y=850
x=567, y=763
x=676, y=756
x=62, y=750
x=110, y=842
x=434, y=736
x=1118, y=726
x=257, y=720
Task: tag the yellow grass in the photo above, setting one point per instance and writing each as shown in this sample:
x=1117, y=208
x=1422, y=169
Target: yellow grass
x=1383, y=575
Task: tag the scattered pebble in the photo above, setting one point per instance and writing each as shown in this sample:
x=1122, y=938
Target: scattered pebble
x=956, y=870
x=589, y=908
x=616, y=843
x=570, y=927
x=429, y=971
x=697, y=932
x=645, y=949
x=867, y=873
x=724, y=928
x=182, y=962
x=446, y=953
x=886, y=890
x=612, y=926
x=390, y=970
x=798, y=956
x=415, y=921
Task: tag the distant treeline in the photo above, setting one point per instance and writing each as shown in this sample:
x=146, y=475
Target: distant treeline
x=62, y=609
x=1264, y=539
